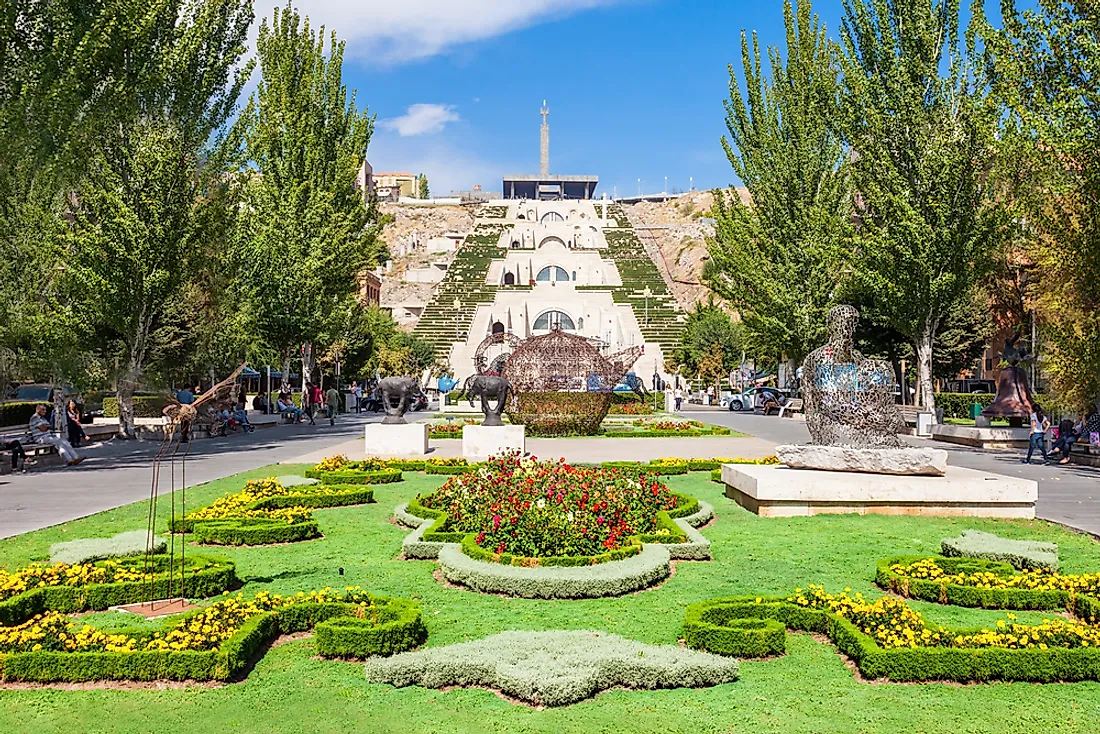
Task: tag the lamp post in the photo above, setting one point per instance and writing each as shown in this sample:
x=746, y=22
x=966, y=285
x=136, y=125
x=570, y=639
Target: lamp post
x=457, y=304
x=647, y=293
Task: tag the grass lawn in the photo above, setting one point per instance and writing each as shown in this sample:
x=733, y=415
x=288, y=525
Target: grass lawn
x=808, y=690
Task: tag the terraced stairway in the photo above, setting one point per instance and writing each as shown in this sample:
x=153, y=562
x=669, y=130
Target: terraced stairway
x=441, y=322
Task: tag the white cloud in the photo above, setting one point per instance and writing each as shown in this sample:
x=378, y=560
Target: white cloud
x=449, y=165
x=396, y=32
x=422, y=119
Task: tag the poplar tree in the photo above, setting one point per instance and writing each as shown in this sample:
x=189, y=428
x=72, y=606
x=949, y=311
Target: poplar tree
x=308, y=232
x=777, y=259
x=1045, y=66
x=921, y=132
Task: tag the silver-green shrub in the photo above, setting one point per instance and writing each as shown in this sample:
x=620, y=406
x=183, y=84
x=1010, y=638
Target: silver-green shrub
x=555, y=667
x=87, y=550
x=1022, y=554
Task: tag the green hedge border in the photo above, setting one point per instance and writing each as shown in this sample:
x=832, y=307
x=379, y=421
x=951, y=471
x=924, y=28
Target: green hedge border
x=266, y=531
x=720, y=629
x=98, y=597
x=476, y=552
x=339, y=633
x=355, y=476
x=962, y=665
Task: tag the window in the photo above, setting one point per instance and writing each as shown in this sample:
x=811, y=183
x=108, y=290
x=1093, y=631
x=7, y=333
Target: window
x=552, y=273
x=554, y=320
x=551, y=217
x=498, y=328
x=509, y=279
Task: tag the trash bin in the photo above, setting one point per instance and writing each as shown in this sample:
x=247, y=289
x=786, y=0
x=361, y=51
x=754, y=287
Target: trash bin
x=924, y=424
x=975, y=410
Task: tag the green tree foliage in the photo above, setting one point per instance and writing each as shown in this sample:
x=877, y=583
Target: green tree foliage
x=1045, y=66
x=140, y=213
x=777, y=259
x=425, y=192
x=922, y=136
x=308, y=231
x=710, y=344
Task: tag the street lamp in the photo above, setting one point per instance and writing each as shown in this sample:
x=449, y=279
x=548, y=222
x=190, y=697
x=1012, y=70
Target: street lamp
x=457, y=304
x=647, y=293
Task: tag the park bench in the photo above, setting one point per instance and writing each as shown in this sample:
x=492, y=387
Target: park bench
x=794, y=405
x=1085, y=454
x=38, y=455
x=909, y=414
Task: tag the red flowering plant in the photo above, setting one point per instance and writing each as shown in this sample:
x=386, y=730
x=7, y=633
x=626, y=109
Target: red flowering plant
x=533, y=508
x=669, y=425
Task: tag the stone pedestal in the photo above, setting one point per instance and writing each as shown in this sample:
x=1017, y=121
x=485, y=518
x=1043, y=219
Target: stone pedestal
x=481, y=442
x=1000, y=437
x=780, y=491
x=396, y=441
x=900, y=461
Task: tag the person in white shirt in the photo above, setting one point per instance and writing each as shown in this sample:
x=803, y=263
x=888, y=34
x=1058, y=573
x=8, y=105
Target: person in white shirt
x=679, y=395
x=42, y=432
x=1040, y=424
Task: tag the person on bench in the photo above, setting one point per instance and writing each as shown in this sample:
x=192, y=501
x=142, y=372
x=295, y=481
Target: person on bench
x=42, y=432
x=18, y=455
x=1068, y=434
x=286, y=406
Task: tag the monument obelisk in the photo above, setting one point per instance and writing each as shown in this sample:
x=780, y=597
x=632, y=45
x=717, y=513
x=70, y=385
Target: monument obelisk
x=544, y=143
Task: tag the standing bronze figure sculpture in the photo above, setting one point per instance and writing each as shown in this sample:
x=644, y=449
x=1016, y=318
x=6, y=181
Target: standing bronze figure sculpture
x=486, y=387
x=1013, y=400
x=395, y=393
x=849, y=399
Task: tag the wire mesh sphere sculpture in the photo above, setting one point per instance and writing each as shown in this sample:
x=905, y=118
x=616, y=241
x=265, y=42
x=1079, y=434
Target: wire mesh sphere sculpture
x=563, y=384
x=494, y=351
x=848, y=398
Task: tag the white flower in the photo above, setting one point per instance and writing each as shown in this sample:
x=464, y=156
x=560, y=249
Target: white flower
x=568, y=515
x=540, y=504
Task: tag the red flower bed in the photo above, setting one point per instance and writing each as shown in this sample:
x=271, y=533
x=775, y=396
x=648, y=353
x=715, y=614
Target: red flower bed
x=537, y=508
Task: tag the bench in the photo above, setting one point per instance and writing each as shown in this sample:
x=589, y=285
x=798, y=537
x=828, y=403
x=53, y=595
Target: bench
x=1085, y=454
x=37, y=455
x=909, y=414
x=793, y=405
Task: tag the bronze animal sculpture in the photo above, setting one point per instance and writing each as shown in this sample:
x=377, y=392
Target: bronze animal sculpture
x=395, y=393
x=486, y=387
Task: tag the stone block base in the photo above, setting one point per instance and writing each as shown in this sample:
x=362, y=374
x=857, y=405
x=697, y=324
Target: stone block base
x=396, y=441
x=780, y=491
x=1000, y=437
x=902, y=461
x=481, y=442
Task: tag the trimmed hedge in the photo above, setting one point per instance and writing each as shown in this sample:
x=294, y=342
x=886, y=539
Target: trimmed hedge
x=265, y=531
x=198, y=584
x=450, y=469
x=16, y=414
x=145, y=406
x=968, y=596
x=721, y=629
x=354, y=476
x=962, y=665
x=475, y=551
x=341, y=632
x=1021, y=554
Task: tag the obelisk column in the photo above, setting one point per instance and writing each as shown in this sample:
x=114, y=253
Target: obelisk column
x=544, y=145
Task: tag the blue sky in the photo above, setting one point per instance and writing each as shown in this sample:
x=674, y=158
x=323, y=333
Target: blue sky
x=635, y=87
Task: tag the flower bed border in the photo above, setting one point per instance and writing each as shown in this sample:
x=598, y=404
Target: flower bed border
x=338, y=633
x=266, y=531
x=98, y=597
x=962, y=665
x=354, y=476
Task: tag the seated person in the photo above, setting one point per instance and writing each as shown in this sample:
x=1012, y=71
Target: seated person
x=18, y=455
x=1069, y=432
x=42, y=432
x=240, y=416
x=260, y=402
x=286, y=406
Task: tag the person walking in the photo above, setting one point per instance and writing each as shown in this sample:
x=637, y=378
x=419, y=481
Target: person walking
x=332, y=404
x=678, y=394
x=42, y=432
x=317, y=398
x=1040, y=424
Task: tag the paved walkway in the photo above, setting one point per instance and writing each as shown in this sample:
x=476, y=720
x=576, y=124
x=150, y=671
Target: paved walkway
x=1068, y=493
x=118, y=473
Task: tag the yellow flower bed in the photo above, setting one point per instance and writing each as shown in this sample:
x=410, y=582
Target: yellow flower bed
x=234, y=505
x=38, y=575
x=1038, y=580
x=893, y=624
x=204, y=630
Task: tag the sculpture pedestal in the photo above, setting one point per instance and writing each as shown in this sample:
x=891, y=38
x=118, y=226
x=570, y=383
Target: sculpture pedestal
x=780, y=491
x=900, y=461
x=983, y=437
x=396, y=441
x=481, y=442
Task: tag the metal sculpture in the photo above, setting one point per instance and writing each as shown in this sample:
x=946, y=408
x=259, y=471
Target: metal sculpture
x=508, y=343
x=1014, y=399
x=631, y=380
x=486, y=387
x=395, y=393
x=849, y=399
x=180, y=421
x=563, y=384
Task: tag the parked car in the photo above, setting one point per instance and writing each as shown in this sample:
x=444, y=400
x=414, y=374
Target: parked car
x=747, y=400
x=416, y=402
x=971, y=386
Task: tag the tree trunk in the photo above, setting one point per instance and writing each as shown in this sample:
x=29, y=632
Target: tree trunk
x=60, y=409
x=286, y=372
x=924, y=369
x=126, y=406
x=307, y=365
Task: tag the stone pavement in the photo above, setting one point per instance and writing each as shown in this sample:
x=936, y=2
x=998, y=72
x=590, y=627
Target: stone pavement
x=1067, y=494
x=119, y=472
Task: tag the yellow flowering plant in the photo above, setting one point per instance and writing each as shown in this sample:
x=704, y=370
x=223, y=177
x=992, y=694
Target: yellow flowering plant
x=1038, y=580
x=38, y=575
